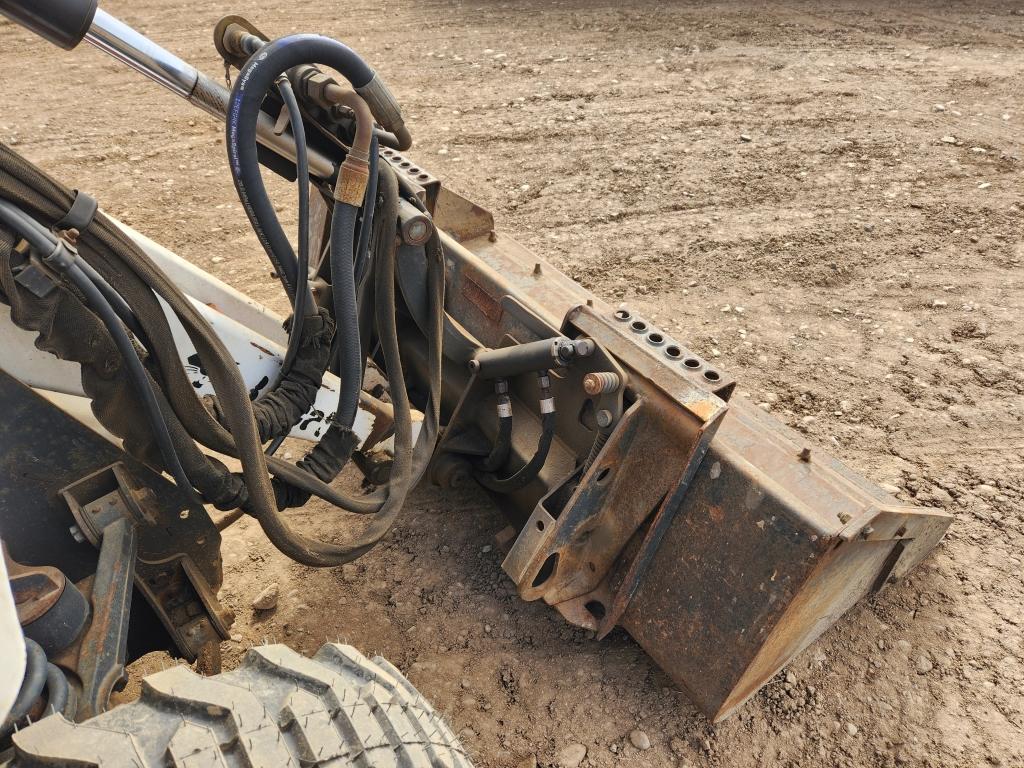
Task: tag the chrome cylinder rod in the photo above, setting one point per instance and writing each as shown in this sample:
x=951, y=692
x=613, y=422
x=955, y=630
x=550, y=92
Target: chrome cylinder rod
x=114, y=37
x=131, y=47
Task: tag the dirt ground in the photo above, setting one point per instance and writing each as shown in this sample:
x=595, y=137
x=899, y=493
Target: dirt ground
x=825, y=196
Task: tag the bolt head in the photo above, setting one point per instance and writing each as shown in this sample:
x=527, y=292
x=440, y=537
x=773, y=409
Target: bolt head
x=417, y=231
x=604, y=418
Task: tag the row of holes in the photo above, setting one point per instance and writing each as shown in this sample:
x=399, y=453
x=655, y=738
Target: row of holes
x=405, y=165
x=672, y=351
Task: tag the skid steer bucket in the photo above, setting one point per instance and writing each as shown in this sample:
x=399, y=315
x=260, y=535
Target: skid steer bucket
x=720, y=539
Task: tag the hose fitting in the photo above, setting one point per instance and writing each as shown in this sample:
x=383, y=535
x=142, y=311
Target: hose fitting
x=354, y=174
x=353, y=178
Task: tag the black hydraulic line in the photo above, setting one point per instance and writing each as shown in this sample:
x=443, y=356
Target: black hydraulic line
x=346, y=313
x=31, y=686
x=335, y=448
x=410, y=462
x=386, y=138
x=57, y=689
x=117, y=302
x=38, y=236
x=44, y=241
x=369, y=206
x=532, y=468
x=302, y=295
x=503, y=442
x=254, y=81
x=302, y=301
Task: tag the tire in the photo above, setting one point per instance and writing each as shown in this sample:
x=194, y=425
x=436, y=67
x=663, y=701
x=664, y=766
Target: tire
x=278, y=708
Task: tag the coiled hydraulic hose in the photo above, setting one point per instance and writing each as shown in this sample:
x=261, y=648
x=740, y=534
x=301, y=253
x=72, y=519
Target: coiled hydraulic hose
x=255, y=79
x=410, y=463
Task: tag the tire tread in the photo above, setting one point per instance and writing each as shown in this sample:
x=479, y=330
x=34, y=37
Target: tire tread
x=277, y=709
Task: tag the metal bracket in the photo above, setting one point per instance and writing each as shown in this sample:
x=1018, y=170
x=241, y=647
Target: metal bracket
x=102, y=652
x=573, y=549
x=170, y=579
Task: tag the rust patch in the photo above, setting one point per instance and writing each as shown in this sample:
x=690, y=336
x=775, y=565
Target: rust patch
x=476, y=295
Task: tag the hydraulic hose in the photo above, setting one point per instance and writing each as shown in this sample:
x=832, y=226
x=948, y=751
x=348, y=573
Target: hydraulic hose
x=346, y=313
x=369, y=207
x=31, y=686
x=140, y=283
x=503, y=442
x=531, y=469
x=254, y=81
x=302, y=295
x=119, y=305
x=44, y=241
x=410, y=463
x=302, y=303
x=37, y=236
x=522, y=478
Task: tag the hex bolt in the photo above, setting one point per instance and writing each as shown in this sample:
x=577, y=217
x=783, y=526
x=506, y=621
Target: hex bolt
x=601, y=382
x=604, y=418
x=76, y=534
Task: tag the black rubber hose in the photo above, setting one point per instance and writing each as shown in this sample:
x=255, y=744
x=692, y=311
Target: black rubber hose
x=119, y=305
x=501, y=448
x=530, y=470
x=255, y=79
x=57, y=689
x=503, y=441
x=301, y=305
x=320, y=554
x=346, y=313
x=410, y=463
x=38, y=236
x=295, y=484
x=31, y=686
x=369, y=206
